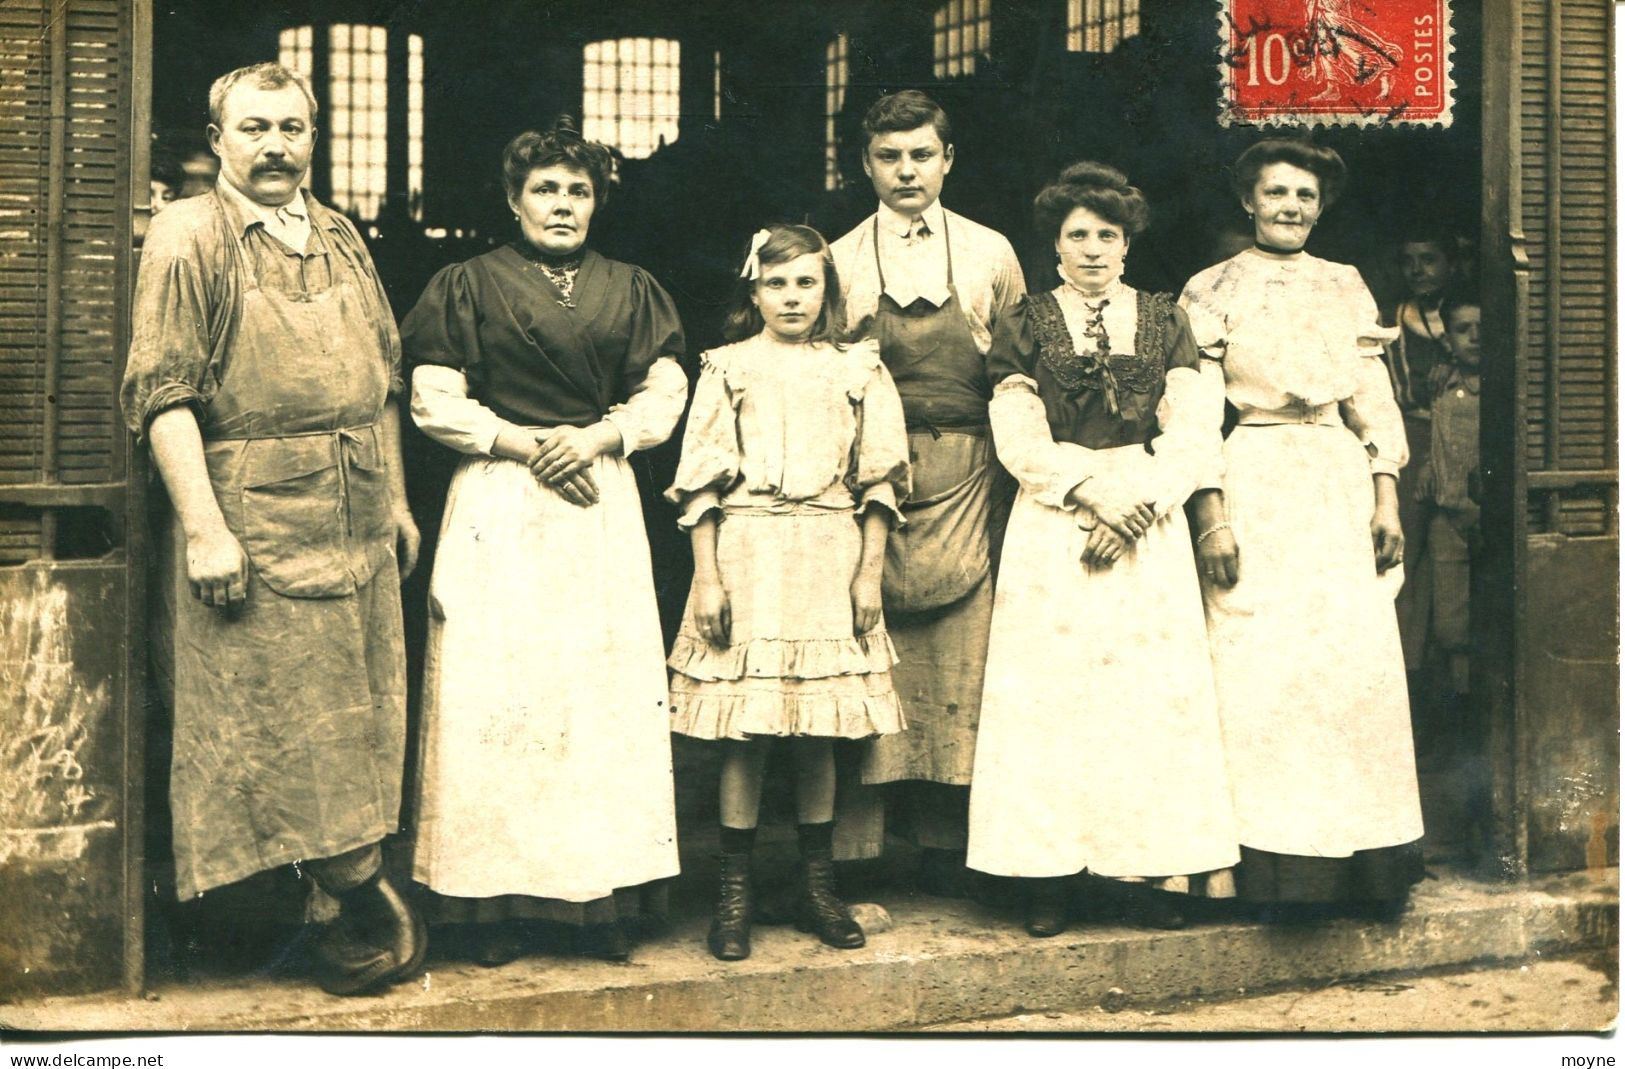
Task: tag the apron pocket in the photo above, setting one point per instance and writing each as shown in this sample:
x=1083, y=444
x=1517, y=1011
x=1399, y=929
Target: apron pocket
x=942, y=551
x=293, y=519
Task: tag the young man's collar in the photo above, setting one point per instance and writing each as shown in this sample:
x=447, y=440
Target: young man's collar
x=895, y=222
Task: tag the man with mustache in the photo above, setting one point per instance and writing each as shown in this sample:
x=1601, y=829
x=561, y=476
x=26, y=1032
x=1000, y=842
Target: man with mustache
x=261, y=371
x=932, y=285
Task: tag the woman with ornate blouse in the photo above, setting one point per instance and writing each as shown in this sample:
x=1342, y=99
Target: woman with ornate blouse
x=1300, y=557
x=545, y=780
x=1100, y=749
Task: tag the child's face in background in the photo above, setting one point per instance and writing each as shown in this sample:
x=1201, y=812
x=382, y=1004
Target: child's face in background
x=790, y=296
x=1426, y=267
x=1461, y=328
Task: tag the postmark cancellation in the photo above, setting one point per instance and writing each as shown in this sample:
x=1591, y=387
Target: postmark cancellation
x=1335, y=62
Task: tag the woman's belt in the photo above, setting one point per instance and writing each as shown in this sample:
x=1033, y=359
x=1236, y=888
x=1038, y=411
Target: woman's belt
x=788, y=508
x=1299, y=412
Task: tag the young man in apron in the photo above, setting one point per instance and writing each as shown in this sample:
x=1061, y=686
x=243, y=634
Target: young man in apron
x=931, y=286
x=260, y=371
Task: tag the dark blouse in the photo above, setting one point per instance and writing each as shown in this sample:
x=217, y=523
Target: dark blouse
x=533, y=361
x=1080, y=390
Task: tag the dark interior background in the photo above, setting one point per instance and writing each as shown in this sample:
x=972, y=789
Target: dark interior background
x=496, y=67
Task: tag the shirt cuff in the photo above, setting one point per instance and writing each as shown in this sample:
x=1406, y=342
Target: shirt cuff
x=1384, y=466
x=695, y=508
x=629, y=438
x=1056, y=494
x=884, y=495
x=167, y=396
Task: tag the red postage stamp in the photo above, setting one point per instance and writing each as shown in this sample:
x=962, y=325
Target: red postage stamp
x=1335, y=62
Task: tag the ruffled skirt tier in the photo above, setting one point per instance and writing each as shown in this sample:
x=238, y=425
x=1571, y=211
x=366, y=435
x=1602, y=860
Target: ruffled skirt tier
x=794, y=665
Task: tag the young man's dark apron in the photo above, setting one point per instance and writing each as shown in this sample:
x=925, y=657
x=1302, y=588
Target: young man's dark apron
x=937, y=589
x=290, y=712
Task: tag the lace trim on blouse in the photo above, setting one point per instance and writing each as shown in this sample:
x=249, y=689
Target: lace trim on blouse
x=1139, y=371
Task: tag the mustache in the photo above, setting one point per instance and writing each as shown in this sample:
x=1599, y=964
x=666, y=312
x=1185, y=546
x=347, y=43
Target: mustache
x=273, y=168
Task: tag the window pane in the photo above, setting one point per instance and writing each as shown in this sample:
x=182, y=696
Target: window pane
x=632, y=99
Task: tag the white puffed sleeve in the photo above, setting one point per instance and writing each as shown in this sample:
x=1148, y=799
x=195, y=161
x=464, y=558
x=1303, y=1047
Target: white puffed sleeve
x=709, y=465
x=653, y=408
x=1371, y=412
x=442, y=409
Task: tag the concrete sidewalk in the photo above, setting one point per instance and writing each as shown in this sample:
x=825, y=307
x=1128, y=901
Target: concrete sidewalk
x=1545, y=995
x=941, y=962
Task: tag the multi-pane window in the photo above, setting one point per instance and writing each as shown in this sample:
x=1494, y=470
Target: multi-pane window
x=414, y=126
x=961, y=31
x=356, y=112
x=836, y=75
x=629, y=95
x=294, y=48
x=1100, y=25
x=358, y=93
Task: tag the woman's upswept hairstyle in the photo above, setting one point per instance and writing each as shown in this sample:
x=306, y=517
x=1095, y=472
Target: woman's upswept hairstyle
x=785, y=242
x=1101, y=189
x=1320, y=161
x=560, y=146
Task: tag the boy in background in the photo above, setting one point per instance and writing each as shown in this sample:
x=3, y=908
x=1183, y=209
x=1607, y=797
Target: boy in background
x=1447, y=488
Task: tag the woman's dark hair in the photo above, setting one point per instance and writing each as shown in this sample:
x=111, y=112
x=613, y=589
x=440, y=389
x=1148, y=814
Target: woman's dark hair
x=560, y=146
x=907, y=110
x=785, y=242
x=1101, y=189
x=1324, y=163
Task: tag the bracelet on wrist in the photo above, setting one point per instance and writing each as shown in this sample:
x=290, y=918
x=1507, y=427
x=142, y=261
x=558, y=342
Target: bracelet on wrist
x=1222, y=525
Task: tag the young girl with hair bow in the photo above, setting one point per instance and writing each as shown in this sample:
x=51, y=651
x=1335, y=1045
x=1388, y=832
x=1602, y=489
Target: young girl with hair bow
x=793, y=465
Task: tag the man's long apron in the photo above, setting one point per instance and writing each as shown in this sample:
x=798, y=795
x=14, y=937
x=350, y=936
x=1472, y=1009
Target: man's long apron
x=290, y=712
x=937, y=587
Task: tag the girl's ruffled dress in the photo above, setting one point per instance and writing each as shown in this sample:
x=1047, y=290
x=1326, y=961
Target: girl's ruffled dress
x=791, y=444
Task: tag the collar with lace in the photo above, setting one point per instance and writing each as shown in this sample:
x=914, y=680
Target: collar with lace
x=1116, y=290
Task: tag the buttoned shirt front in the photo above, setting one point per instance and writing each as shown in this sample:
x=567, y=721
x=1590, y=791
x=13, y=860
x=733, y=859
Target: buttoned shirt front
x=987, y=274
x=289, y=223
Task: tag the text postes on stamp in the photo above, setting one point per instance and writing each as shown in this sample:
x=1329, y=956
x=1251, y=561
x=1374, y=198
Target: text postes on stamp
x=1335, y=62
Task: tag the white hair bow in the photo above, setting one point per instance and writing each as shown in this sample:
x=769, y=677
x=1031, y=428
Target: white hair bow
x=753, y=263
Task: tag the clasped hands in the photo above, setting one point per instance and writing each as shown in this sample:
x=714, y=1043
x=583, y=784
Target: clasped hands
x=1122, y=515
x=563, y=455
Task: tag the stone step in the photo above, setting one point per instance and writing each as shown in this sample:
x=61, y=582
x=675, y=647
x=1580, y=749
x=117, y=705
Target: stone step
x=941, y=961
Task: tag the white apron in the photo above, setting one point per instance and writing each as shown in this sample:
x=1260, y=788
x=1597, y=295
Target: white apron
x=1099, y=745
x=546, y=754
x=1306, y=651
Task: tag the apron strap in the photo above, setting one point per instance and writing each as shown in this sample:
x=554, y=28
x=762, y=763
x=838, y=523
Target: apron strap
x=947, y=245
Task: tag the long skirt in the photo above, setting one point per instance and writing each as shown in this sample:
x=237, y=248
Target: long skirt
x=1100, y=747
x=793, y=665
x=545, y=764
x=1309, y=670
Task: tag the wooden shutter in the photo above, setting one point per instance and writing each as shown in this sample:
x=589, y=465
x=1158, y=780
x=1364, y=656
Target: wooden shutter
x=65, y=234
x=1568, y=219
x=1545, y=598
x=72, y=145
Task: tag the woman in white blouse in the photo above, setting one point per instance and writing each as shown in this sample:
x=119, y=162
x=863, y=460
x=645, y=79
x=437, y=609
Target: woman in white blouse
x=1300, y=558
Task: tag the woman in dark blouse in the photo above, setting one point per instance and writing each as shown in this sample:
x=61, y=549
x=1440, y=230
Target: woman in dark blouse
x=545, y=778
x=1099, y=748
